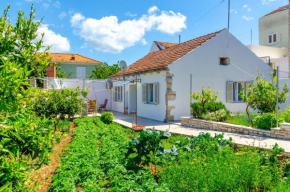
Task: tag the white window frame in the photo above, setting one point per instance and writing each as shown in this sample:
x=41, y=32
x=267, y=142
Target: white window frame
x=150, y=90
x=272, y=38
x=236, y=91
x=118, y=93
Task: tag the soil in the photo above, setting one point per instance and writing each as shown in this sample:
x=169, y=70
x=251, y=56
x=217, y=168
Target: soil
x=44, y=174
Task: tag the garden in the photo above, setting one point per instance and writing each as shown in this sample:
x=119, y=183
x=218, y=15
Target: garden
x=260, y=97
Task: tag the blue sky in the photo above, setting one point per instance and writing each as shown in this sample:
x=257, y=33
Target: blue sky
x=114, y=30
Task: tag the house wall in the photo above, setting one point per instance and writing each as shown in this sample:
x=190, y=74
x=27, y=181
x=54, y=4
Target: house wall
x=97, y=88
x=283, y=66
x=72, y=67
x=150, y=111
x=204, y=65
x=272, y=52
x=275, y=23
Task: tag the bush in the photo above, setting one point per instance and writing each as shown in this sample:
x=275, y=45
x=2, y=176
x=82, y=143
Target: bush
x=197, y=110
x=286, y=115
x=107, y=117
x=214, y=106
x=265, y=121
x=220, y=115
x=241, y=118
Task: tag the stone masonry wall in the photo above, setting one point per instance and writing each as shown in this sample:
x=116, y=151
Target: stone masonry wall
x=282, y=132
x=170, y=95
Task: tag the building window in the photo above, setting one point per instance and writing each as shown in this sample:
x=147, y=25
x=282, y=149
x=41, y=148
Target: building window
x=272, y=38
x=118, y=94
x=234, y=89
x=150, y=93
x=224, y=61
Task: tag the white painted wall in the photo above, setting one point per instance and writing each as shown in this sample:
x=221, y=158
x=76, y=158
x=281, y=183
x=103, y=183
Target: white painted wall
x=155, y=48
x=118, y=105
x=275, y=23
x=273, y=52
x=97, y=92
x=281, y=84
x=203, y=64
x=283, y=66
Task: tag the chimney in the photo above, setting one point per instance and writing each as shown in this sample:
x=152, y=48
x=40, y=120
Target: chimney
x=51, y=70
x=180, y=37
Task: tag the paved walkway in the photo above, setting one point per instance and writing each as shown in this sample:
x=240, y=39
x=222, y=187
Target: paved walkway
x=176, y=128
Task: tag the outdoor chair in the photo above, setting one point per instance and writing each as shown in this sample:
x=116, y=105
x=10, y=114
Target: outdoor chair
x=102, y=107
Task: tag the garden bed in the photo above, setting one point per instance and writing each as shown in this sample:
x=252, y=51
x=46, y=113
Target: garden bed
x=282, y=132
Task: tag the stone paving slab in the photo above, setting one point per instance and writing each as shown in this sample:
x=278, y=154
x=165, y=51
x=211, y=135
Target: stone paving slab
x=176, y=128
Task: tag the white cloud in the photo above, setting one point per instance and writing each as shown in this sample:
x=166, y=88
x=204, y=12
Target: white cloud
x=248, y=18
x=45, y=5
x=76, y=19
x=109, y=35
x=234, y=11
x=267, y=2
x=131, y=14
x=152, y=9
x=249, y=9
x=57, y=42
x=245, y=6
x=62, y=15
x=57, y=4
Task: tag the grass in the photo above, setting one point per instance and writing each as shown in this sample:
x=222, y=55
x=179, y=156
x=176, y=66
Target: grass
x=241, y=118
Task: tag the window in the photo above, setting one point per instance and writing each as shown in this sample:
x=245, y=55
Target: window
x=224, y=61
x=118, y=94
x=272, y=38
x=234, y=89
x=150, y=93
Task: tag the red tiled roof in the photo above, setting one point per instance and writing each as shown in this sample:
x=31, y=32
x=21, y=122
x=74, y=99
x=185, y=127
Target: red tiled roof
x=71, y=58
x=165, y=44
x=161, y=59
x=278, y=10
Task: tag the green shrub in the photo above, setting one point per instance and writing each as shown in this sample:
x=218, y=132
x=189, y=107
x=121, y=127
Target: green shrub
x=197, y=110
x=220, y=115
x=286, y=115
x=241, y=118
x=214, y=106
x=107, y=117
x=265, y=121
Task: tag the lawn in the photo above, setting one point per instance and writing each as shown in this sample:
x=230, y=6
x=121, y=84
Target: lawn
x=111, y=158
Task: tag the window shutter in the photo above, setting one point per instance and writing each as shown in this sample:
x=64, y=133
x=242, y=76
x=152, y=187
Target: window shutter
x=156, y=93
x=144, y=93
x=230, y=92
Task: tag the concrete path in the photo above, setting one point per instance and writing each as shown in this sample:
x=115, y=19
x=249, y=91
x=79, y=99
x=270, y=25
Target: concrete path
x=176, y=128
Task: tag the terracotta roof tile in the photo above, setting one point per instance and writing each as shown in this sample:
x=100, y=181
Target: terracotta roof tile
x=71, y=58
x=161, y=59
x=278, y=10
x=166, y=44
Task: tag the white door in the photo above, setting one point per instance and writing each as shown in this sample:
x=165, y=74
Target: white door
x=81, y=72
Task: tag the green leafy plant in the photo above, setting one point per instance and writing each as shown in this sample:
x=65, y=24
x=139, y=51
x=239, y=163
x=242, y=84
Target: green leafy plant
x=261, y=95
x=107, y=117
x=219, y=115
x=205, y=96
x=265, y=121
x=104, y=70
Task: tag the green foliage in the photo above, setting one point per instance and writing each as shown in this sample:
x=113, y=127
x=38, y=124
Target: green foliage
x=19, y=43
x=95, y=161
x=286, y=115
x=265, y=121
x=219, y=115
x=261, y=95
x=205, y=96
x=60, y=73
x=214, y=106
x=104, y=70
x=107, y=117
x=197, y=110
x=241, y=118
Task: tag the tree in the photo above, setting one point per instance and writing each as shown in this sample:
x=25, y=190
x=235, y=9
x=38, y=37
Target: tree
x=261, y=95
x=20, y=43
x=104, y=70
x=205, y=96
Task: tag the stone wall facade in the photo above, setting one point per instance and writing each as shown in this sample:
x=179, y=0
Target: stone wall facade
x=170, y=95
x=282, y=132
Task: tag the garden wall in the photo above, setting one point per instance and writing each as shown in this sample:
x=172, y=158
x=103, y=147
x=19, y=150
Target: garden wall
x=282, y=132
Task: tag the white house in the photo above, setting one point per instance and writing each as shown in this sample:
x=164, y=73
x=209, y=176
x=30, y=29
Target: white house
x=158, y=86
